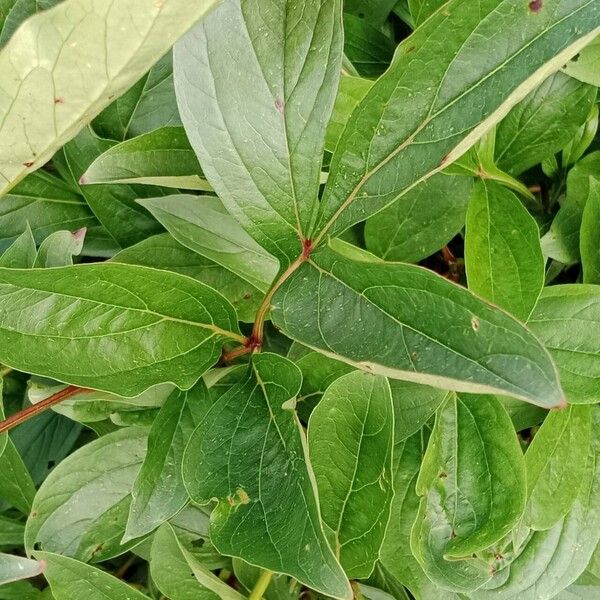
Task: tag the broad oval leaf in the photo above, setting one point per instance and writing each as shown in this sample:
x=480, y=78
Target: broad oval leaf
x=249, y=454
x=85, y=54
x=350, y=441
x=472, y=483
x=438, y=97
x=567, y=320
x=427, y=329
x=260, y=143
x=162, y=157
x=113, y=327
x=81, y=509
x=503, y=256
x=71, y=579
x=556, y=462
x=158, y=492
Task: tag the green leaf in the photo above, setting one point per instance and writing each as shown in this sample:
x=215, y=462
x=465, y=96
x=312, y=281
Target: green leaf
x=73, y=580
x=503, y=256
x=13, y=568
x=69, y=75
x=280, y=587
x=553, y=559
x=158, y=492
x=421, y=10
x=556, y=464
x=166, y=327
x=179, y=576
x=11, y=533
x=567, y=321
x=375, y=11
x=81, y=509
x=201, y=224
x=162, y=251
x=45, y=204
x=585, y=66
x=16, y=485
x=147, y=105
x=333, y=304
x=21, y=254
x=589, y=238
x=414, y=404
x=14, y=12
x=260, y=144
x=249, y=454
x=162, y=157
x=114, y=205
x=431, y=105
x=472, y=484
x=59, y=248
x=350, y=441
x=421, y=222
x=22, y=590
x=543, y=123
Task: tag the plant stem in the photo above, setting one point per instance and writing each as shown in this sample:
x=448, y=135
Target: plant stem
x=261, y=585
x=35, y=409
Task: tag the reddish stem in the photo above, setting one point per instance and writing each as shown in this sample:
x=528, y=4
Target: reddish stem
x=35, y=409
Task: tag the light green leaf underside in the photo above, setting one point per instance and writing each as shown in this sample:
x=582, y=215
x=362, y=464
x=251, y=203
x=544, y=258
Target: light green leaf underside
x=113, y=327
x=59, y=248
x=74, y=580
x=202, y=224
x=158, y=492
x=249, y=453
x=350, y=441
x=587, y=66
x=260, y=142
x=472, y=483
x=81, y=508
x=431, y=105
x=162, y=157
x=556, y=462
x=334, y=305
x=567, y=321
x=86, y=53
x=503, y=256
x=14, y=568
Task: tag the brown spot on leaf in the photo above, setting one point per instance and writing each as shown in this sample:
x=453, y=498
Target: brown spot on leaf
x=59, y=100
x=28, y=164
x=475, y=323
x=411, y=49
x=442, y=475
x=279, y=105
x=536, y=5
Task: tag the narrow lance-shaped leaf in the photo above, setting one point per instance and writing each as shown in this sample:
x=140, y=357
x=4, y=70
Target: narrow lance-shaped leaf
x=556, y=463
x=566, y=320
x=21, y=254
x=249, y=454
x=113, y=327
x=350, y=440
x=85, y=54
x=408, y=323
x=432, y=105
x=503, y=256
x=14, y=568
x=589, y=239
x=71, y=579
x=472, y=484
x=260, y=142
x=158, y=492
x=162, y=157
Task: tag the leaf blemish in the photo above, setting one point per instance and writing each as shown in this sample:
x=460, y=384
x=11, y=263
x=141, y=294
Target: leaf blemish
x=475, y=323
x=279, y=105
x=536, y=5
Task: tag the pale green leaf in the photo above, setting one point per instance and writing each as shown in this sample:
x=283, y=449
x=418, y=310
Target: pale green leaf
x=503, y=256
x=162, y=157
x=158, y=492
x=13, y=568
x=431, y=105
x=350, y=441
x=21, y=253
x=589, y=238
x=81, y=509
x=586, y=65
x=567, y=321
x=334, y=305
x=14, y=12
x=422, y=221
x=71, y=579
x=85, y=54
x=556, y=463
x=249, y=454
x=260, y=142
x=542, y=123
x=16, y=485
x=59, y=248
x=166, y=327
x=201, y=224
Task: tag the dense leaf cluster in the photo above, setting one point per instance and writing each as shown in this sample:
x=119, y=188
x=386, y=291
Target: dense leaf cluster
x=299, y=299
